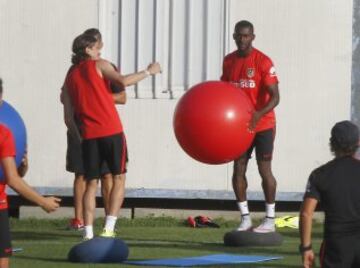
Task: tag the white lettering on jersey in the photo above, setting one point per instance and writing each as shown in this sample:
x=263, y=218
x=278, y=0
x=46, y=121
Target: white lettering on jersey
x=247, y=83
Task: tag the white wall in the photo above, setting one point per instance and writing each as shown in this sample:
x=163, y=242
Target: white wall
x=309, y=41
x=36, y=38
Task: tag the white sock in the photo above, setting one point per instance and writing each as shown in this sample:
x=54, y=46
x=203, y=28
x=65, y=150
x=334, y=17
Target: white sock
x=270, y=210
x=88, y=231
x=245, y=216
x=243, y=207
x=110, y=222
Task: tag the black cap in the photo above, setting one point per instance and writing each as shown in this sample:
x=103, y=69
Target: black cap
x=345, y=134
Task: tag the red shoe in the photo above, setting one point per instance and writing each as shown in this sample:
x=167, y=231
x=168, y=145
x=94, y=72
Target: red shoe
x=76, y=224
x=203, y=221
x=191, y=222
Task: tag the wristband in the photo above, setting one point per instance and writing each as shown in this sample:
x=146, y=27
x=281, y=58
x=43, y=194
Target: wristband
x=147, y=73
x=302, y=249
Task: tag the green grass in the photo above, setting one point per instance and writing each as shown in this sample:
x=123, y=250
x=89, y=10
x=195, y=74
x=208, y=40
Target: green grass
x=47, y=242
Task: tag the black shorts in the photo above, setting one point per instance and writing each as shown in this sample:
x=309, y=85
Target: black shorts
x=340, y=251
x=111, y=150
x=263, y=144
x=5, y=239
x=74, y=160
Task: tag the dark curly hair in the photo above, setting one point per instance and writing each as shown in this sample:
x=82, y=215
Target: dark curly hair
x=344, y=138
x=94, y=32
x=342, y=148
x=244, y=24
x=79, y=46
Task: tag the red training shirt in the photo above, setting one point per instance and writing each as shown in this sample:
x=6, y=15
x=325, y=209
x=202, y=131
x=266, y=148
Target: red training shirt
x=7, y=149
x=253, y=74
x=93, y=101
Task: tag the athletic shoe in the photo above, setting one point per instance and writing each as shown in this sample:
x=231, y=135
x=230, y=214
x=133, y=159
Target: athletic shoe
x=267, y=226
x=86, y=239
x=245, y=224
x=76, y=224
x=107, y=233
x=191, y=221
x=203, y=221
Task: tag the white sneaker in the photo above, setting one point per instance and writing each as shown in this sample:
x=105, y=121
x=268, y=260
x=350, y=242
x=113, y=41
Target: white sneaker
x=85, y=238
x=245, y=224
x=267, y=226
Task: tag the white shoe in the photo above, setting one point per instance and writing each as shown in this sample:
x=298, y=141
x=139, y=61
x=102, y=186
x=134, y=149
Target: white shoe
x=85, y=238
x=245, y=224
x=267, y=226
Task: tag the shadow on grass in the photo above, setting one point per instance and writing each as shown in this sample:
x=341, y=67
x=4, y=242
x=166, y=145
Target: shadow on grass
x=53, y=235
x=317, y=232
x=211, y=247
x=315, y=235
x=57, y=260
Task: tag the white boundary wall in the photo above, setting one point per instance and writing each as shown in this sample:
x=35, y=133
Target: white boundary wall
x=310, y=43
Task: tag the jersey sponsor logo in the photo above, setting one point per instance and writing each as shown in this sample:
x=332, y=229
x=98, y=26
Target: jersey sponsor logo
x=247, y=83
x=250, y=72
x=272, y=71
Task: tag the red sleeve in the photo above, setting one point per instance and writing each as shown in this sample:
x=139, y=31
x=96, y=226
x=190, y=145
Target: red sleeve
x=7, y=144
x=268, y=72
x=227, y=65
x=224, y=76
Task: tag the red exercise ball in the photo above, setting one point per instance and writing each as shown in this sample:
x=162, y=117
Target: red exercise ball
x=211, y=122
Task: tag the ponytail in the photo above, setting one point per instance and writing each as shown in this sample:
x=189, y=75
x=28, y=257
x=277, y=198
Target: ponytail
x=79, y=46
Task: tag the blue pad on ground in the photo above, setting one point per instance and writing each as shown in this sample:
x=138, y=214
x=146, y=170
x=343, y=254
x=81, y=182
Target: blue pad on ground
x=205, y=260
x=99, y=250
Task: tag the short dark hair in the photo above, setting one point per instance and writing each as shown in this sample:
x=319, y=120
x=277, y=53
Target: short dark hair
x=244, y=24
x=344, y=138
x=94, y=32
x=79, y=46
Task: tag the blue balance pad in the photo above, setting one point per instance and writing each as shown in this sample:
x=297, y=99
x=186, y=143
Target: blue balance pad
x=205, y=260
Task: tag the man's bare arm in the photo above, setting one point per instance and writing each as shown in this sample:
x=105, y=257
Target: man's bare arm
x=273, y=102
x=120, y=98
x=108, y=71
x=19, y=185
x=306, y=217
x=69, y=114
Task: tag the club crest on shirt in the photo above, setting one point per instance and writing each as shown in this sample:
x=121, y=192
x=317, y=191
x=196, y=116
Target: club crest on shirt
x=250, y=72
